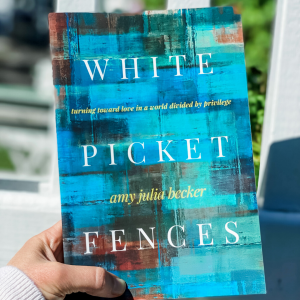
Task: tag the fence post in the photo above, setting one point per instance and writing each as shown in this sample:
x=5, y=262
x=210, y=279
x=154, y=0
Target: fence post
x=278, y=187
x=178, y=4
x=79, y=5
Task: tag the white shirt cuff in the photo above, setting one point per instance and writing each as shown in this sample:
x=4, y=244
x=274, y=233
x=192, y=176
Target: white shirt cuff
x=15, y=285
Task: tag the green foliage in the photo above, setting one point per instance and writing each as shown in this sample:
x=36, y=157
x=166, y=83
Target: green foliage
x=256, y=107
x=257, y=18
x=155, y=4
x=5, y=162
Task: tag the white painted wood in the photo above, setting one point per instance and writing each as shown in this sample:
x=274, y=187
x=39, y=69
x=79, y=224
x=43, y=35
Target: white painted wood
x=282, y=112
x=17, y=226
x=131, y=6
x=22, y=216
x=178, y=4
x=79, y=6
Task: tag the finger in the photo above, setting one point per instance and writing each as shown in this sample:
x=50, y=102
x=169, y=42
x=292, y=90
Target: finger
x=94, y=281
x=52, y=237
x=54, y=234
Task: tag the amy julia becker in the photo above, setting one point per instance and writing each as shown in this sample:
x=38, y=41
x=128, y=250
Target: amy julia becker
x=155, y=195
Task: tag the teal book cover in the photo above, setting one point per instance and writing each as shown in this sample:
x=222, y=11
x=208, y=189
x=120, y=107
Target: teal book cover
x=155, y=154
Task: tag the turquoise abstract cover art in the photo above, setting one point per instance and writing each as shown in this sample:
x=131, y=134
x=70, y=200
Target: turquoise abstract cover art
x=155, y=154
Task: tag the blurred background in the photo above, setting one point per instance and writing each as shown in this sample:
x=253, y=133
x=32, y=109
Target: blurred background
x=26, y=93
x=29, y=192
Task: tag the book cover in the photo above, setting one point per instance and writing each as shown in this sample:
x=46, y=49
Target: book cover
x=155, y=155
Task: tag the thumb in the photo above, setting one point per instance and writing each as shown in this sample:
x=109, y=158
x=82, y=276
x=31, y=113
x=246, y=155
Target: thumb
x=94, y=281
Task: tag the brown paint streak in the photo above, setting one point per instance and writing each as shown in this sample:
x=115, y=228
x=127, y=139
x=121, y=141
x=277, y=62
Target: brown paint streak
x=61, y=72
x=57, y=28
x=147, y=297
x=232, y=37
x=131, y=259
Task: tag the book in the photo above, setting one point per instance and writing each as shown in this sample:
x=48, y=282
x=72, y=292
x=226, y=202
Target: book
x=155, y=154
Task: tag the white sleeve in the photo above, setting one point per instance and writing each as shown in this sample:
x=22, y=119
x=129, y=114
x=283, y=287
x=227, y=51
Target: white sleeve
x=15, y=285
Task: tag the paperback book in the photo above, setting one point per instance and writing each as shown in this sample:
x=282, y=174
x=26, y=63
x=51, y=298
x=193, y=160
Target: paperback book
x=155, y=154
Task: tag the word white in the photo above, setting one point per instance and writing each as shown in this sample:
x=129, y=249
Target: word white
x=161, y=151
x=135, y=68
x=151, y=240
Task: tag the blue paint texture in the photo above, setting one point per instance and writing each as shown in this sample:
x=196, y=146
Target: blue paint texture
x=222, y=265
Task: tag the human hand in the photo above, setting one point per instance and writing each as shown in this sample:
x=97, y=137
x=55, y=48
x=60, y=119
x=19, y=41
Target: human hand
x=41, y=259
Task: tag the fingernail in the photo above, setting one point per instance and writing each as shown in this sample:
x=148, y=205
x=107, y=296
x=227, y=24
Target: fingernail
x=119, y=287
